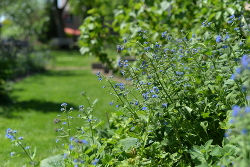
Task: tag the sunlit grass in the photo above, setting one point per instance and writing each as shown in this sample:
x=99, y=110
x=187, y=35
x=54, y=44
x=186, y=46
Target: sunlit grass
x=37, y=101
x=71, y=59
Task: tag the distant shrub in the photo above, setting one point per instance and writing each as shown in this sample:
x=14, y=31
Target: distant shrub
x=18, y=59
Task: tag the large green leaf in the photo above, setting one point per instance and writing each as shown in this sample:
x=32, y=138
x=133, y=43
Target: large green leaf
x=53, y=161
x=128, y=143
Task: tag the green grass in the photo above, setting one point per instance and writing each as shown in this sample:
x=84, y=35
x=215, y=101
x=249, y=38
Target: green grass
x=71, y=59
x=37, y=102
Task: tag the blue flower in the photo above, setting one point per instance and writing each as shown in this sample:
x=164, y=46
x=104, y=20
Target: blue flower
x=12, y=153
x=218, y=39
x=154, y=96
x=95, y=162
x=164, y=105
x=27, y=147
x=65, y=155
x=164, y=34
x=228, y=132
x=122, y=72
x=244, y=61
x=9, y=136
x=120, y=63
x=20, y=138
x=247, y=109
x=145, y=95
x=64, y=104
x=231, y=17
x=227, y=36
x=232, y=77
x=238, y=70
x=244, y=131
x=144, y=108
x=236, y=110
x=119, y=48
x=9, y=130
x=82, y=141
x=125, y=40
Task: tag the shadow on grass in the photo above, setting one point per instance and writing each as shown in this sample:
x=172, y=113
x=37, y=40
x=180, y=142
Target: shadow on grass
x=31, y=105
x=64, y=73
x=38, y=105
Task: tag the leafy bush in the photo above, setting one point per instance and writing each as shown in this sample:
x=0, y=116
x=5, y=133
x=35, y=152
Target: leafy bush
x=18, y=60
x=156, y=16
x=180, y=108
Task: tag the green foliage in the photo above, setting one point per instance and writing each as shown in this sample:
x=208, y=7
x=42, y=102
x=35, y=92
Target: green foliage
x=156, y=16
x=97, y=31
x=17, y=61
x=27, y=18
x=179, y=101
x=52, y=161
x=94, y=37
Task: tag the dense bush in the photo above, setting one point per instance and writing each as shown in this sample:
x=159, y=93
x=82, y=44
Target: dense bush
x=156, y=16
x=187, y=104
x=18, y=59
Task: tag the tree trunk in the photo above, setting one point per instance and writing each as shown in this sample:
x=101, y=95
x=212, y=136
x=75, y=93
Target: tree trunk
x=59, y=19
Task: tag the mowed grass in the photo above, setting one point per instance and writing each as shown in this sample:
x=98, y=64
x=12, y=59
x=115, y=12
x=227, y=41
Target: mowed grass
x=37, y=102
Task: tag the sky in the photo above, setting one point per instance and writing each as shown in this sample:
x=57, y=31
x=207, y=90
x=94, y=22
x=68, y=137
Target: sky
x=2, y=18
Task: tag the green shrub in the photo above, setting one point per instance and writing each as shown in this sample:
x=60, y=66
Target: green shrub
x=16, y=62
x=180, y=99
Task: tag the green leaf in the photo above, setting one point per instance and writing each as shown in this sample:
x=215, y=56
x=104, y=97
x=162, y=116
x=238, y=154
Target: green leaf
x=230, y=149
x=225, y=141
x=165, y=5
x=91, y=26
x=143, y=115
x=84, y=50
x=229, y=82
x=217, y=151
x=128, y=143
x=231, y=11
x=207, y=144
x=205, y=114
x=189, y=109
x=53, y=161
x=34, y=154
x=175, y=157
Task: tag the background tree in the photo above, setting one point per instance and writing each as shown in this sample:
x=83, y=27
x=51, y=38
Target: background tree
x=27, y=17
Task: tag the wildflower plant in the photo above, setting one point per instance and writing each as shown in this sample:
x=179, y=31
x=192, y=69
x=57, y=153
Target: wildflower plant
x=179, y=106
x=77, y=135
x=19, y=141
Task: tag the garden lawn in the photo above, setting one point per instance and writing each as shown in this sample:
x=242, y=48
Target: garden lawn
x=37, y=102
